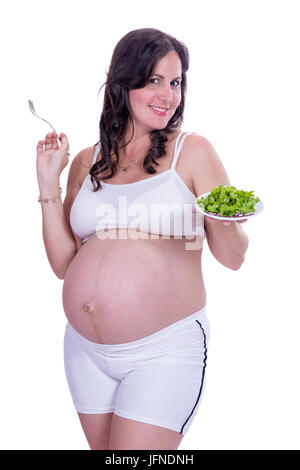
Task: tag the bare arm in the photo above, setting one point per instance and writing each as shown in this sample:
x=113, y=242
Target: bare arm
x=60, y=244
x=228, y=244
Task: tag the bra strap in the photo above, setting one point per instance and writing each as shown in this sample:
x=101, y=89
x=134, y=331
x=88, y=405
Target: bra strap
x=179, y=147
x=97, y=149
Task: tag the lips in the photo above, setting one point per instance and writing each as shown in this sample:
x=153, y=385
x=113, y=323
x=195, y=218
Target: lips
x=159, y=108
x=159, y=111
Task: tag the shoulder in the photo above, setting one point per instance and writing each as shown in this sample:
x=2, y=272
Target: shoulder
x=204, y=164
x=85, y=157
x=197, y=150
x=198, y=146
x=80, y=166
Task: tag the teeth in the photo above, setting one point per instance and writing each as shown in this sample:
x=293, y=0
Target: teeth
x=158, y=109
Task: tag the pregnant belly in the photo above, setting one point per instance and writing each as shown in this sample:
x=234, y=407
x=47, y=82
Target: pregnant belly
x=120, y=290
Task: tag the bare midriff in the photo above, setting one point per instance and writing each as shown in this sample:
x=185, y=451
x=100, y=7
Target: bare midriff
x=123, y=285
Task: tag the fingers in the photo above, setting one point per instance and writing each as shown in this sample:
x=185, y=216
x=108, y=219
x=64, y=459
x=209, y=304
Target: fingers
x=50, y=142
x=225, y=222
x=40, y=146
x=238, y=221
x=210, y=220
x=64, y=141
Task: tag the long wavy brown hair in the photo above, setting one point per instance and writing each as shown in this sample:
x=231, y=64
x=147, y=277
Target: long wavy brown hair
x=132, y=64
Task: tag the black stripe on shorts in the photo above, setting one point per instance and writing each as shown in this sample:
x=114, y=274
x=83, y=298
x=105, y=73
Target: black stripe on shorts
x=202, y=380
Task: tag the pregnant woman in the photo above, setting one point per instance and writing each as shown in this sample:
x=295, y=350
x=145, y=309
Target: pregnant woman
x=128, y=242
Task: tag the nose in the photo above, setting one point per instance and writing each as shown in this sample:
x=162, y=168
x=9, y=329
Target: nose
x=165, y=93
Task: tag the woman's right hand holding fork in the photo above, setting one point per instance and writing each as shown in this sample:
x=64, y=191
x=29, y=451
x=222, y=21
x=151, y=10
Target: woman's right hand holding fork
x=51, y=159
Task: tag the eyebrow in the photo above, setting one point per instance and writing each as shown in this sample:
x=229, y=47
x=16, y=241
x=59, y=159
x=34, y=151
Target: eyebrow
x=161, y=76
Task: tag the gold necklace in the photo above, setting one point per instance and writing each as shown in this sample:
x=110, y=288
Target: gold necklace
x=125, y=168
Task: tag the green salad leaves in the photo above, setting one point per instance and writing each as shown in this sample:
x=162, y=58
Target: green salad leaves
x=227, y=201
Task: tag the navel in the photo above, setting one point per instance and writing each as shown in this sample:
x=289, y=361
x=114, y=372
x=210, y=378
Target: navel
x=89, y=307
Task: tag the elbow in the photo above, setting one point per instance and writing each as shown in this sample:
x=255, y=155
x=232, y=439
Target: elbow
x=234, y=263
x=230, y=264
x=59, y=274
x=61, y=270
x=58, y=271
x=62, y=274
x=238, y=263
x=233, y=259
x=236, y=267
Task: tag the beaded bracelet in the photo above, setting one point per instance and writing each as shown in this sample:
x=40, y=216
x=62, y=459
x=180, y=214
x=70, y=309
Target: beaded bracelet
x=47, y=199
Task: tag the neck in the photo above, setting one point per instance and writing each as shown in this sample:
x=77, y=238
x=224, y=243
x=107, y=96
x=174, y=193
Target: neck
x=135, y=146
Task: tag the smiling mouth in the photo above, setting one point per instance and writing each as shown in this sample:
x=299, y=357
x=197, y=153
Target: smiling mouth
x=157, y=108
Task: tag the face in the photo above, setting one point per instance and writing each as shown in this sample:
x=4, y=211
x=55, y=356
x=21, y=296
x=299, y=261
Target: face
x=153, y=105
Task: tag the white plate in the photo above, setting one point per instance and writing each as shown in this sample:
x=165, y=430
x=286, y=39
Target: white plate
x=258, y=208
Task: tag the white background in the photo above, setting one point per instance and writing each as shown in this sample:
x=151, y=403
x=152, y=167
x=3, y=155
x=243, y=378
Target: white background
x=243, y=95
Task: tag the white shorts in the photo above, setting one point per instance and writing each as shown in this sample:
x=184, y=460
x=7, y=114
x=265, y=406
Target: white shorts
x=158, y=379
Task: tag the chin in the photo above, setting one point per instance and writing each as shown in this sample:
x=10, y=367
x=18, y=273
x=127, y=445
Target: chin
x=160, y=127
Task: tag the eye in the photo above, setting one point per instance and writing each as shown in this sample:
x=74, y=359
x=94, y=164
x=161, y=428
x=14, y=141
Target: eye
x=175, y=83
x=152, y=80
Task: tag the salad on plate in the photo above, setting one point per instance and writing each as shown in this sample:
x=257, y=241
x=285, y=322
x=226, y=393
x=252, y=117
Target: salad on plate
x=229, y=203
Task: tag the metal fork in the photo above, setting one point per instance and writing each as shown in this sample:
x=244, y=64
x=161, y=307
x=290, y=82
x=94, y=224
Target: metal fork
x=31, y=107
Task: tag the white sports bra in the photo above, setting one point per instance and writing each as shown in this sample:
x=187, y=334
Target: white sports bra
x=159, y=205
